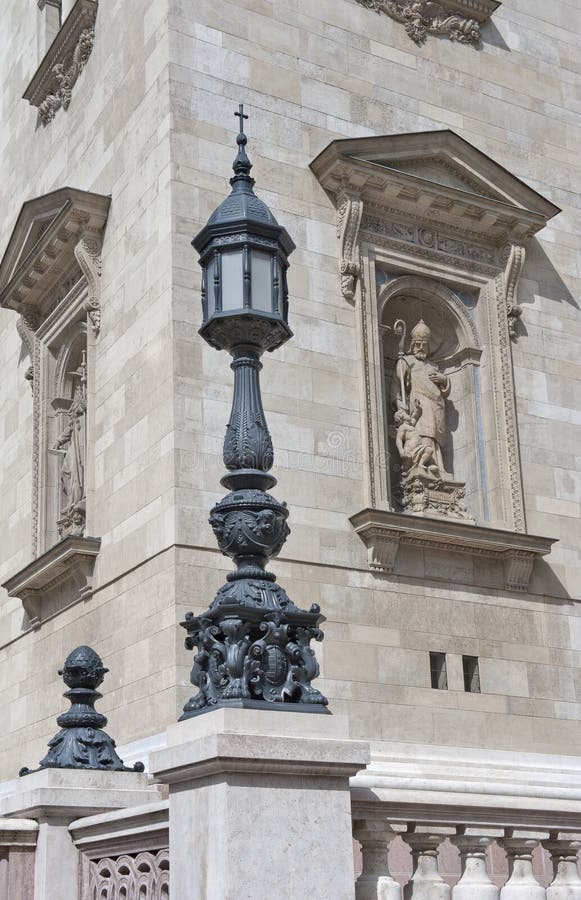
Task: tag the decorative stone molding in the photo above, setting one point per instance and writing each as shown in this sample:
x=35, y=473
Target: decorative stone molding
x=460, y=20
x=60, y=577
x=384, y=532
x=349, y=212
x=88, y=256
x=144, y=875
x=52, y=85
x=514, y=267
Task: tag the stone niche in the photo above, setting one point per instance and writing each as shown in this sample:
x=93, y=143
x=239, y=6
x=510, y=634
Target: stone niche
x=50, y=276
x=432, y=241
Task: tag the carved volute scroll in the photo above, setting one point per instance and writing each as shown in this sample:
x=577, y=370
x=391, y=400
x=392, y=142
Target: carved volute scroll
x=459, y=20
x=26, y=326
x=349, y=213
x=514, y=267
x=88, y=256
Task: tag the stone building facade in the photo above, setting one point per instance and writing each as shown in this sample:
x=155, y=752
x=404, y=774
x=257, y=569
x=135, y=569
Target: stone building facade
x=425, y=173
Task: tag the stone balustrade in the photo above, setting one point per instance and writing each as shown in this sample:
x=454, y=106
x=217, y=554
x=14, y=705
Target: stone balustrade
x=538, y=864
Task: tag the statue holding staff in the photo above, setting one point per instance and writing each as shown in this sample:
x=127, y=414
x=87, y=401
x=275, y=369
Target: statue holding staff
x=418, y=384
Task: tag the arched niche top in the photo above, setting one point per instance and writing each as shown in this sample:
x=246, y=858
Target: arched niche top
x=69, y=357
x=454, y=340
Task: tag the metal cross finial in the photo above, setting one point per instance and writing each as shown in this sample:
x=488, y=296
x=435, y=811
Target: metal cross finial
x=241, y=115
x=242, y=164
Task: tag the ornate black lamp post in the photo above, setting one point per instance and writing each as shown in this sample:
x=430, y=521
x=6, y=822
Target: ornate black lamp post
x=253, y=643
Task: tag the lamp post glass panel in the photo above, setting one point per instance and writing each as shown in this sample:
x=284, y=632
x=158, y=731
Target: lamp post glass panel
x=253, y=643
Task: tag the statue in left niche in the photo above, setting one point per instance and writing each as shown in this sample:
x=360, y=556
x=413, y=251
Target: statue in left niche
x=71, y=446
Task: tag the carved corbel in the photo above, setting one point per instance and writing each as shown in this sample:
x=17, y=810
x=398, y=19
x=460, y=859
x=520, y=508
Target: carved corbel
x=514, y=267
x=349, y=213
x=88, y=256
x=518, y=568
x=31, y=602
x=26, y=327
x=382, y=546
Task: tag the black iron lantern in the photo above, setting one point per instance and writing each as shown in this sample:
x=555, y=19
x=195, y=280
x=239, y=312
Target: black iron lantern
x=253, y=643
x=244, y=257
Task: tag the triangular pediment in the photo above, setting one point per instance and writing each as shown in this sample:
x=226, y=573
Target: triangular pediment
x=434, y=171
x=441, y=170
x=40, y=251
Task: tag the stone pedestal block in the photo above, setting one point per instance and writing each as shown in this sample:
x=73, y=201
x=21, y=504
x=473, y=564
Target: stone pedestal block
x=54, y=797
x=260, y=805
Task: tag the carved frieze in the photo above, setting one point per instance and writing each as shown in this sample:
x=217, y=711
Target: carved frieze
x=52, y=86
x=430, y=239
x=460, y=21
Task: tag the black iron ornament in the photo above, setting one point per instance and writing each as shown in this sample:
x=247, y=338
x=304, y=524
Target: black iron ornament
x=81, y=743
x=253, y=643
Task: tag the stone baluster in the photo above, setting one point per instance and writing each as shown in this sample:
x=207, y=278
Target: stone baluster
x=426, y=882
x=566, y=884
x=522, y=884
x=375, y=881
x=475, y=883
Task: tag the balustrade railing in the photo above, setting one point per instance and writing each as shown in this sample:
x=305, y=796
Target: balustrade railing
x=124, y=853
x=539, y=865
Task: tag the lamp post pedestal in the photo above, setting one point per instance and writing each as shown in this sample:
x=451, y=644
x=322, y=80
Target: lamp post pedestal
x=259, y=804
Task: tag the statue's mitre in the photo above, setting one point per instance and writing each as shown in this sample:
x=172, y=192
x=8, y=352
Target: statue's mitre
x=421, y=332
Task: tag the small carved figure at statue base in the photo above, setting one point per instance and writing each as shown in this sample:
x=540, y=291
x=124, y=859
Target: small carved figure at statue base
x=81, y=743
x=416, y=453
x=424, y=494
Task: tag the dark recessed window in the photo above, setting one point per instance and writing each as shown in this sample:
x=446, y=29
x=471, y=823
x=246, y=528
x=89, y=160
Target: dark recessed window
x=471, y=674
x=438, y=671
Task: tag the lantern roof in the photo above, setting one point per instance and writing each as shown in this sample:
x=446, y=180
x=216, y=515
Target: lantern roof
x=242, y=209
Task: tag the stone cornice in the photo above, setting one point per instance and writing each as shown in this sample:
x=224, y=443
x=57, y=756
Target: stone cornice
x=52, y=84
x=468, y=786
x=383, y=531
x=40, y=260
x=460, y=20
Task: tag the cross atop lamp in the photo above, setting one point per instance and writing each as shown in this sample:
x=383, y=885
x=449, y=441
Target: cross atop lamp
x=253, y=643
